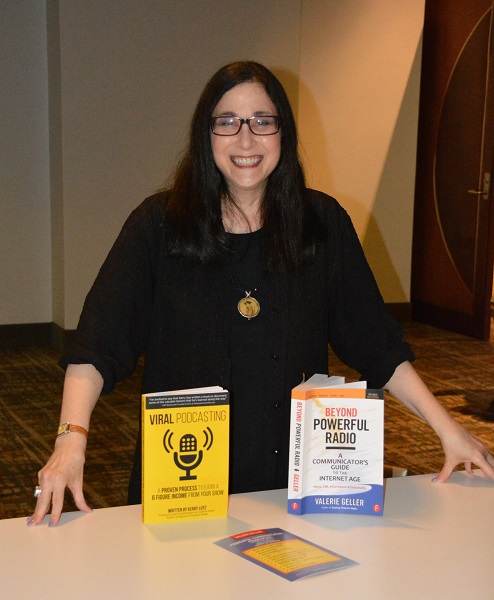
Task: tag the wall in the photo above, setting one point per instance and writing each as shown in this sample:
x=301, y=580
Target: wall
x=123, y=80
x=25, y=267
x=129, y=80
x=358, y=112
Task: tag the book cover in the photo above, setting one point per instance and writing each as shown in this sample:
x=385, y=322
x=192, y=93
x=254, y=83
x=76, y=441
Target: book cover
x=284, y=553
x=336, y=448
x=185, y=445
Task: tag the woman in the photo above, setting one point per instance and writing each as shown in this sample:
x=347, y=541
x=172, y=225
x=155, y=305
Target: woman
x=238, y=276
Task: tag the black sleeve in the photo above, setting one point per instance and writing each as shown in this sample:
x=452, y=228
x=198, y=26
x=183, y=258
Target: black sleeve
x=362, y=333
x=113, y=327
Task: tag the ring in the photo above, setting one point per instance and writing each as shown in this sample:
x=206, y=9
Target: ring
x=37, y=491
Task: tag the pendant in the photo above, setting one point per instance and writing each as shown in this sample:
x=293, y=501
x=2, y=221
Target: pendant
x=248, y=307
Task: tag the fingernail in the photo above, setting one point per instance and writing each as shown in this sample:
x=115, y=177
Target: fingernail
x=51, y=524
x=434, y=480
x=30, y=520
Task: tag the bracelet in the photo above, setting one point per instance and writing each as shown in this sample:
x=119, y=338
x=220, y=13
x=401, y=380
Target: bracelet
x=69, y=428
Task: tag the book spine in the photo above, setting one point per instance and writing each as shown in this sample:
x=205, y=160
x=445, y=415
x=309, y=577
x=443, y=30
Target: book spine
x=295, y=480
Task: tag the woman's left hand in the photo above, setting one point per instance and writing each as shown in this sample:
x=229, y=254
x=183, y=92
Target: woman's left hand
x=459, y=447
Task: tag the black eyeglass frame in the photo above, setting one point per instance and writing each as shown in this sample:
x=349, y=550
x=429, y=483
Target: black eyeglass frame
x=242, y=122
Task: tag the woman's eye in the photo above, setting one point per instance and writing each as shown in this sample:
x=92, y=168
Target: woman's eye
x=227, y=122
x=265, y=121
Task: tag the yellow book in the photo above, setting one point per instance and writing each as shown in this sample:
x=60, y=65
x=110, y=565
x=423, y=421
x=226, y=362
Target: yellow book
x=185, y=445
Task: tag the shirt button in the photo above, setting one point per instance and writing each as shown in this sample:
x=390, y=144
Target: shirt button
x=275, y=309
x=276, y=452
x=276, y=406
x=274, y=356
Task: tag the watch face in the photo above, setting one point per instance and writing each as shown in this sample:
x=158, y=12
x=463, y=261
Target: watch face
x=63, y=429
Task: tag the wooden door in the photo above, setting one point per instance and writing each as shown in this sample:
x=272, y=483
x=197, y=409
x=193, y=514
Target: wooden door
x=453, y=237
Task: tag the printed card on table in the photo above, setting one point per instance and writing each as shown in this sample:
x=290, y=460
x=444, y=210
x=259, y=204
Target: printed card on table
x=284, y=553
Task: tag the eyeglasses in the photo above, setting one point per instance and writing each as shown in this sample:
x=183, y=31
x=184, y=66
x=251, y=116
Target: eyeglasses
x=265, y=125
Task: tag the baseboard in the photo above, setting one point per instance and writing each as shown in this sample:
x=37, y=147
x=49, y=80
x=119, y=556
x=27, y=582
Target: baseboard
x=60, y=337
x=48, y=335
x=401, y=311
x=31, y=334
x=52, y=335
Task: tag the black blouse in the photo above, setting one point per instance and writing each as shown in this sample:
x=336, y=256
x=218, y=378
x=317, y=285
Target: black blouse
x=184, y=318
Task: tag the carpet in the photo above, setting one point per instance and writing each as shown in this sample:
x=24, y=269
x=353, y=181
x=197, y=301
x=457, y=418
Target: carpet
x=459, y=371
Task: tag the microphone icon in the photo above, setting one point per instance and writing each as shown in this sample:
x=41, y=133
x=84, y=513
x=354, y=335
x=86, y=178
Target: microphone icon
x=188, y=458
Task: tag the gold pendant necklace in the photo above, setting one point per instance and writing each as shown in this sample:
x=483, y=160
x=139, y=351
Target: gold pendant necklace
x=248, y=306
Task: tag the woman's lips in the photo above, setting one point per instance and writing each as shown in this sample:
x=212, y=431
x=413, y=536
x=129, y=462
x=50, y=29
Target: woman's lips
x=246, y=161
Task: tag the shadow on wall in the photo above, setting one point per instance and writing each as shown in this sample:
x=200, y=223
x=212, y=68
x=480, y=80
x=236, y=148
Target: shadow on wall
x=317, y=164
x=290, y=81
x=387, y=238
x=392, y=212
x=318, y=167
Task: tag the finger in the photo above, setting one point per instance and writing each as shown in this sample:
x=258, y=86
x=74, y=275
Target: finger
x=444, y=474
x=487, y=466
x=490, y=461
x=468, y=468
x=56, y=507
x=80, y=501
x=41, y=509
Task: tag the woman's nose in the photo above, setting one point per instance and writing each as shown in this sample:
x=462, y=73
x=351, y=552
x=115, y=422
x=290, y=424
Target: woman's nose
x=245, y=136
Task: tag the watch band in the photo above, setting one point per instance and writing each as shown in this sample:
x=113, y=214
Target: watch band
x=69, y=428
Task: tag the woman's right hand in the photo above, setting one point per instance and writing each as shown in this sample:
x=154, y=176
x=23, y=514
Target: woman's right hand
x=64, y=469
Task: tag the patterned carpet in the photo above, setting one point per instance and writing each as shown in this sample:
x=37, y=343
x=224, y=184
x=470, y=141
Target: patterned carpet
x=459, y=370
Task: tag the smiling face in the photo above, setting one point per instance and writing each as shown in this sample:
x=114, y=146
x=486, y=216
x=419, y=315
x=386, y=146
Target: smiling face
x=246, y=160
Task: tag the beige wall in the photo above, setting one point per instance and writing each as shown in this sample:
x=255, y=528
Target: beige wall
x=358, y=111
x=25, y=267
x=123, y=83
x=130, y=79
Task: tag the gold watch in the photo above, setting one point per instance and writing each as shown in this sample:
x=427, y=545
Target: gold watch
x=69, y=428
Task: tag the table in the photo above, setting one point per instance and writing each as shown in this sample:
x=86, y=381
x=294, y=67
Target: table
x=434, y=541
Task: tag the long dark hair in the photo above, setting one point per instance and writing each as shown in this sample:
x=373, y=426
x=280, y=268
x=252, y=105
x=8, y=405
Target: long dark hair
x=291, y=227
